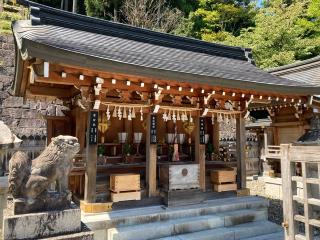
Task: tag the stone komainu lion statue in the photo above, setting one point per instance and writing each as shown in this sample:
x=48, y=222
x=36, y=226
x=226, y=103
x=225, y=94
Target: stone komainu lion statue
x=31, y=179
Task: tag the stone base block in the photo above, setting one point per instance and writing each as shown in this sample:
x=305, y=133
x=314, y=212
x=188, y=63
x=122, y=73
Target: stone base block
x=49, y=202
x=43, y=224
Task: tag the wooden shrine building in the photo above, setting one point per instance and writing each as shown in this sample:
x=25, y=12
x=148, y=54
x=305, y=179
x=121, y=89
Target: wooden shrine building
x=142, y=101
x=286, y=123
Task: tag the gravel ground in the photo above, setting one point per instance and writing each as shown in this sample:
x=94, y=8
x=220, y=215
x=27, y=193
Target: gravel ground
x=275, y=210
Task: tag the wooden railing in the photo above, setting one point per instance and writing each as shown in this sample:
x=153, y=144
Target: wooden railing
x=272, y=151
x=300, y=165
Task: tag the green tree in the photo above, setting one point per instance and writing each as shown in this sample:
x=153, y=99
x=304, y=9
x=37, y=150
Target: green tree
x=106, y=9
x=283, y=33
x=216, y=19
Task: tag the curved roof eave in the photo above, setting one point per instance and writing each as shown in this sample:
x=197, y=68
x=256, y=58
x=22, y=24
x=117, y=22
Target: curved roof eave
x=52, y=54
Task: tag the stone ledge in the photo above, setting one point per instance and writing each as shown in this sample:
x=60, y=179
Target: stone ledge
x=85, y=234
x=43, y=224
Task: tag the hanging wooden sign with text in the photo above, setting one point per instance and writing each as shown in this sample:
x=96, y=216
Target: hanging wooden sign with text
x=93, y=127
x=202, y=130
x=153, y=129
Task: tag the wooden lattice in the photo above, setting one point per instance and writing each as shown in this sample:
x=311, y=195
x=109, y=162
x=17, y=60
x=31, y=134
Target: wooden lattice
x=300, y=166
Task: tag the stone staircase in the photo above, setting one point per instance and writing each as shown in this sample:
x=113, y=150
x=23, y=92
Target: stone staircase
x=227, y=219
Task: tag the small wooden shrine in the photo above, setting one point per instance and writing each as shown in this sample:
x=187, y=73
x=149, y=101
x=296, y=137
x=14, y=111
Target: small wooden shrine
x=144, y=102
x=275, y=124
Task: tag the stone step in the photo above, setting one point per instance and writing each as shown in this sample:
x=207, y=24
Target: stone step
x=185, y=225
x=243, y=231
x=120, y=218
x=272, y=236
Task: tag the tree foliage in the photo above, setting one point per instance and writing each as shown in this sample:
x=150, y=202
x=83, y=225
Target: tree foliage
x=279, y=32
x=216, y=19
x=283, y=33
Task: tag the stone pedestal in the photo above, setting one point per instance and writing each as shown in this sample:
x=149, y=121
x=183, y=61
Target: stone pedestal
x=49, y=202
x=63, y=224
x=3, y=197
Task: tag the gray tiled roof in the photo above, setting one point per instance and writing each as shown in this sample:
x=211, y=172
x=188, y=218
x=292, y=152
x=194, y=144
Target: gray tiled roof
x=156, y=53
x=307, y=71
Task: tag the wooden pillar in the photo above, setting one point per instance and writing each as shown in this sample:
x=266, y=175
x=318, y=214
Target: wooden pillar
x=80, y=119
x=151, y=159
x=91, y=163
x=241, y=145
x=216, y=136
x=200, y=155
x=265, y=140
x=287, y=170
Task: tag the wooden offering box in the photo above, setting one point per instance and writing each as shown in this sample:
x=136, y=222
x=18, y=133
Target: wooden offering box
x=125, y=187
x=179, y=176
x=225, y=175
x=124, y=182
x=224, y=179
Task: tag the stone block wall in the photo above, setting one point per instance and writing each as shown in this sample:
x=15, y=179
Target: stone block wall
x=25, y=118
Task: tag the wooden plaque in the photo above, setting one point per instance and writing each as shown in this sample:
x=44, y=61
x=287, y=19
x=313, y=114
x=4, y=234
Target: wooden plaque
x=202, y=130
x=93, y=127
x=153, y=129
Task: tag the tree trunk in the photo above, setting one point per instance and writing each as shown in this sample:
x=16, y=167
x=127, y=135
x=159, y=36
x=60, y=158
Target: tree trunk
x=66, y=5
x=74, y=6
x=1, y=5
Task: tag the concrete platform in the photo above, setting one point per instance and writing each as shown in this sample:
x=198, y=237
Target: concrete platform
x=185, y=225
x=242, y=231
x=169, y=222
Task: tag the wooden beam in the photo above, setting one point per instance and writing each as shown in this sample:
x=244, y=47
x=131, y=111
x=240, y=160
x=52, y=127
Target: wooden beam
x=55, y=78
x=200, y=155
x=265, y=140
x=163, y=82
x=241, y=146
x=71, y=79
x=91, y=168
x=151, y=158
x=50, y=91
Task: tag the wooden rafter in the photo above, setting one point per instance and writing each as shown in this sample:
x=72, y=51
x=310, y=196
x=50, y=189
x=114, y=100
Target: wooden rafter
x=221, y=93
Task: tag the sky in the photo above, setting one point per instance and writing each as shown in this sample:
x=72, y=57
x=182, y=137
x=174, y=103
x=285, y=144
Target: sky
x=259, y=3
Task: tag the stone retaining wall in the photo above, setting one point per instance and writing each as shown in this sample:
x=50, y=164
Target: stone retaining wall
x=24, y=117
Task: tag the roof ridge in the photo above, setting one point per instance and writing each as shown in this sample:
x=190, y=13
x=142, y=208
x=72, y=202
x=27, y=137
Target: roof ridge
x=41, y=14
x=297, y=64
